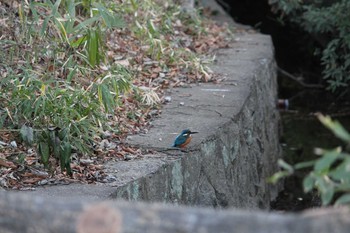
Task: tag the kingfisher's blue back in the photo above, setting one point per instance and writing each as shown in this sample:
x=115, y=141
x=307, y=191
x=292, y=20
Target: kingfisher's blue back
x=183, y=138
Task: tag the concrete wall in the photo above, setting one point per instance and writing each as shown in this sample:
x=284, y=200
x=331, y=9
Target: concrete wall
x=228, y=161
x=237, y=147
x=226, y=165
x=33, y=214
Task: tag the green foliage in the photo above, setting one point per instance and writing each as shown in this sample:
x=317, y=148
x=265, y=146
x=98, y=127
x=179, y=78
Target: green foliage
x=74, y=111
x=58, y=86
x=328, y=22
x=75, y=32
x=52, y=108
x=330, y=173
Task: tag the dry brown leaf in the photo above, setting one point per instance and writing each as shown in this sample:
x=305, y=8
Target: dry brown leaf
x=8, y=164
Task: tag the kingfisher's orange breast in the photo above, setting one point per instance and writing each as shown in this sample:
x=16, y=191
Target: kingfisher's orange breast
x=188, y=140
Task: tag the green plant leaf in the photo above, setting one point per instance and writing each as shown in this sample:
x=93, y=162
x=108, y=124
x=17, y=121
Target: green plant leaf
x=304, y=164
x=343, y=187
x=110, y=19
x=344, y=199
x=327, y=195
x=93, y=47
x=325, y=162
x=285, y=166
x=54, y=9
x=151, y=28
x=277, y=176
x=105, y=97
x=75, y=43
x=308, y=183
x=44, y=25
x=325, y=187
x=342, y=172
x=85, y=24
x=134, y=4
x=44, y=152
x=62, y=29
x=71, y=74
x=66, y=152
x=337, y=129
x=34, y=11
x=71, y=8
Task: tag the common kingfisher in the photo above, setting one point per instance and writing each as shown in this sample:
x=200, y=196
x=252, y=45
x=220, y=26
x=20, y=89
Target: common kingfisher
x=183, y=138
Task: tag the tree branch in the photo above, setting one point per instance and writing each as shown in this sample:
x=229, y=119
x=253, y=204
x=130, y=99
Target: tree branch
x=298, y=80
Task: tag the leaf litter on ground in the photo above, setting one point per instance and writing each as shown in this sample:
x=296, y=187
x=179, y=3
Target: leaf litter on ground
x=160, y=45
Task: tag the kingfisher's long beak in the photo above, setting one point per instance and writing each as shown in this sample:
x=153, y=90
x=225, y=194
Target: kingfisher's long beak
x=193, y=132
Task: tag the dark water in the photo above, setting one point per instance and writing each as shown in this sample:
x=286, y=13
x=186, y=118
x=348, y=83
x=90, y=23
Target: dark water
x=302, y=132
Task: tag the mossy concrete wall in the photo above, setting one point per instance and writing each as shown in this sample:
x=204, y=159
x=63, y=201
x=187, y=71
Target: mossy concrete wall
x=228, y=161
x=237, y=147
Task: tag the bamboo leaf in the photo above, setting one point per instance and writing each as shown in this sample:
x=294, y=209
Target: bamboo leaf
x=71, y=8
x=55, y=7
x=62, y=29
x=105, y=97
x=93, y=47
x=111, y=20
x=44, y=152
x=85, y=24
x=75, y=43
x=66, y=152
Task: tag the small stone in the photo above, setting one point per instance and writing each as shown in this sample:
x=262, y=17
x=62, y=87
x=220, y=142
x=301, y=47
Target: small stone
x=112, y=145
x=182, y=103
x=106, y=134
x=104, y=144
x=127, y=157
x=110, y=179
x=167, y=99
x=86, y=161
x=43, y=182
x=153, y=113
x=30, y=151
x=13, y=144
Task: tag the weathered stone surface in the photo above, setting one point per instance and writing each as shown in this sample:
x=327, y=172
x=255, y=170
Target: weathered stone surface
x=30, y=214
x=237, y=147
x=226, y=166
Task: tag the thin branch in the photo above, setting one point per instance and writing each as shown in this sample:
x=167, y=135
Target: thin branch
x=290, y=76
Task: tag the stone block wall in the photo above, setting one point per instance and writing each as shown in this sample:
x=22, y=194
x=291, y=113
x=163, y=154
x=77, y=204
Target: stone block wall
x=238, y=146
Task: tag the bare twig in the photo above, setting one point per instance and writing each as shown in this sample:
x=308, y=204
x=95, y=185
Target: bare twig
x=286, y=74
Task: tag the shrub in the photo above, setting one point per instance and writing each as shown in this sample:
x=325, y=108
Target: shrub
x=61, y=106
x=328, y=23
x=330, y=174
